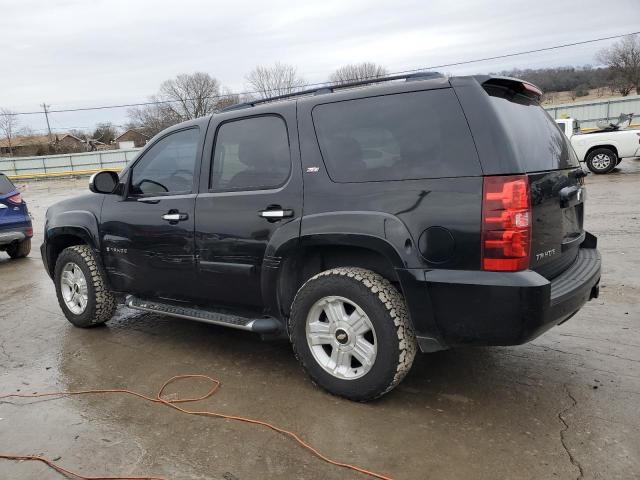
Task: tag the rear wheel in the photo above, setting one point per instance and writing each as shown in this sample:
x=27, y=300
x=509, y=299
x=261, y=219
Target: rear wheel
x=20, y=250
x=601, y=160
x=350, y=331
x=81, y=288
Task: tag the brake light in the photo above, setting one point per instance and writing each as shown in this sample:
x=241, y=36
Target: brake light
x=506, y=223
x=15, y=199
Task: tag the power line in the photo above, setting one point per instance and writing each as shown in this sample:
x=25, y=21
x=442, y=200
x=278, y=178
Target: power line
x=319, y=84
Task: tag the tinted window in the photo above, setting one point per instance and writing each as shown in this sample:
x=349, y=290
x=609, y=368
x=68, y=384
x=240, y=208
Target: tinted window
x=396, y=137
x=251, y=154
x=167, y=167
x=538, y=140
x=5, y=185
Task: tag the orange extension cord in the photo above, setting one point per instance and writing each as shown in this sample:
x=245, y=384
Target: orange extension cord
x=173, y=404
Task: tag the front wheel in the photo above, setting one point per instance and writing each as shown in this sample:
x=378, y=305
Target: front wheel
x=602, y=160
x=350, y=331
x=81, y=288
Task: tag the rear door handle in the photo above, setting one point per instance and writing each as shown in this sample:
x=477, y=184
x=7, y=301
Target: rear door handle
x=175, y=217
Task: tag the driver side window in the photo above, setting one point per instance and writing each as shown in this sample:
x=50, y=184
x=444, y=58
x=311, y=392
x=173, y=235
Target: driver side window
x=167, y=167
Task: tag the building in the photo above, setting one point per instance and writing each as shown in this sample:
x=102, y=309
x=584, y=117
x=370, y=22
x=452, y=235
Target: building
x=22, y=146
x=131, y=139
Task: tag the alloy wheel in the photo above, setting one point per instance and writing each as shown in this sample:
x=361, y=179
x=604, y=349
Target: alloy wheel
x=341, y=337
x=73, y=285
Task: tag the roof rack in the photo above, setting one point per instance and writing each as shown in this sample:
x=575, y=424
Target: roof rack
x=331, y=88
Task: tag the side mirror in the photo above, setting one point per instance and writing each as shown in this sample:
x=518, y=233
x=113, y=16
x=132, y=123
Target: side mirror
x=103, y=182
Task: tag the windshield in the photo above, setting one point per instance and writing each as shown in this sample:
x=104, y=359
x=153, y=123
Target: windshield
x=539, y=142
x=5, y=185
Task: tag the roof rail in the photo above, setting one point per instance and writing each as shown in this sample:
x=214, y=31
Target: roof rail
x=331, y=88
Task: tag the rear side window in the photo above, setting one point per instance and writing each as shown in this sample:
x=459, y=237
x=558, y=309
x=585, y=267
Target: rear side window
x=251, y=154
x=396, y=137
x=5, y=185
x=539, y=142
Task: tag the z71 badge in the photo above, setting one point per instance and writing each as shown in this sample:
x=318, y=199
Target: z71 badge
x=116, y=250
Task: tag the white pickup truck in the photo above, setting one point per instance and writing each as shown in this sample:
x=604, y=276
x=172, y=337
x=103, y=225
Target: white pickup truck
x=602, y=150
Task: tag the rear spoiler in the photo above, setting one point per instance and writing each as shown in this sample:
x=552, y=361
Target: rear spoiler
x=513, y=84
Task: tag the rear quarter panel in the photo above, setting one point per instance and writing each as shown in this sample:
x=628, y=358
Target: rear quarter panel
x=396, y=212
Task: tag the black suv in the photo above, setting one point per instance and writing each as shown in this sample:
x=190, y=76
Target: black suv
x=362, y=223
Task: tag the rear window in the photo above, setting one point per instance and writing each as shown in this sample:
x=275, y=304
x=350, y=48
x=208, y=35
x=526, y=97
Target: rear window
x=396, y=137
x=538, y=141
x=5, y=185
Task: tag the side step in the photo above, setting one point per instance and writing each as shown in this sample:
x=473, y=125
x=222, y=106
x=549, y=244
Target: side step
x=262, y=325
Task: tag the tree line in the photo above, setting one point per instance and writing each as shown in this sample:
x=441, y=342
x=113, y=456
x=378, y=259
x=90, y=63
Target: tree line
x=189, y=96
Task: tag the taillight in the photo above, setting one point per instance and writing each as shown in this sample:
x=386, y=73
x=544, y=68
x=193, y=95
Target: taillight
x=506, y=223
x=16, y=199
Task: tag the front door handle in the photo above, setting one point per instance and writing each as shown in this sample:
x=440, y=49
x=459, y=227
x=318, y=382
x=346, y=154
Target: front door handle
x=175, y=217
x=275, y=213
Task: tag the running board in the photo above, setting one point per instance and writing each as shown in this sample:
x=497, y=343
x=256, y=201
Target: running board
x=263, y=325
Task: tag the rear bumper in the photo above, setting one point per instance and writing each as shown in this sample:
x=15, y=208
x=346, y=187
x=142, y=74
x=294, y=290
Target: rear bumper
x=495, y=308
x=15, y=234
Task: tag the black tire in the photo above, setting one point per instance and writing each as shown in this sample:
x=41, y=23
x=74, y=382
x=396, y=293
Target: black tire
x=602, y=160
x=101, y=304
x=20, y=250
x=386, y=310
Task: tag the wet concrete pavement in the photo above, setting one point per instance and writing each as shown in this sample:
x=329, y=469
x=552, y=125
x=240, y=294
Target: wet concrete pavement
x=564, y=406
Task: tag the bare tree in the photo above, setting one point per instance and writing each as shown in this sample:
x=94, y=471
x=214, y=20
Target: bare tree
x=152, y=119
x=278, y=79
x=8, y=126
x=105, y=133
x=185, y=97
x=191, y=95
x=623, y=60
x=357, y=72
x=620, y=85
x=227, y=99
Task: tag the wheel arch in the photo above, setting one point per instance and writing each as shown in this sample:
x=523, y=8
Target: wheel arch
x=607, y=147
x=68, y=229
x=317, y=253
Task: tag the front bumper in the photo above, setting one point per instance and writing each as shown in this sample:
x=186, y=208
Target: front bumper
x=496, y=308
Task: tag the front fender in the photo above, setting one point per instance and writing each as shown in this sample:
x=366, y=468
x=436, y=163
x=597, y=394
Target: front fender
x=61, y=226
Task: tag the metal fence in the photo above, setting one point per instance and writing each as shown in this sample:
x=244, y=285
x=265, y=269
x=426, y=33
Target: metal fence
x=68, y=164
x=591, y=111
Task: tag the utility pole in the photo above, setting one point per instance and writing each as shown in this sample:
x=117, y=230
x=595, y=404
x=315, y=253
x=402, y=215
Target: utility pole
x=46, y=115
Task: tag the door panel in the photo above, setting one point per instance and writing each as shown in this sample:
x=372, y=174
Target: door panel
x=248, y=196
x=147, y=233
x=145, y=254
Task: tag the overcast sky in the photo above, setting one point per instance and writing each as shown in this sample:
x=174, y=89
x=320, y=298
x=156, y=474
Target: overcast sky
x=75, y=53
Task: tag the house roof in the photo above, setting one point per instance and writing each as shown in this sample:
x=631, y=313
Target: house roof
x=134, y=131
x=24, y=141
